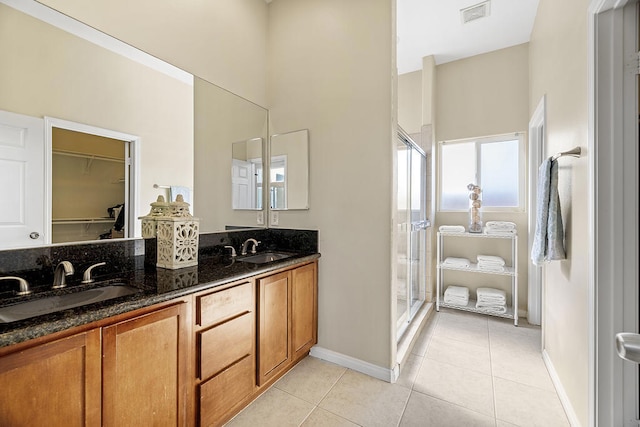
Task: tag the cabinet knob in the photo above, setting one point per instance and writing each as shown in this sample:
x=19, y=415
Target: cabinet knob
x=34, y=235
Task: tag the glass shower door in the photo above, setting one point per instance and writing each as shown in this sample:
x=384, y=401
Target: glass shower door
x=411, y=233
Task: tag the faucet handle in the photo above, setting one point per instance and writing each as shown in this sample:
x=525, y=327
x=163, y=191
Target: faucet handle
x=86, y=277
x=22, y=283
x=233, y=250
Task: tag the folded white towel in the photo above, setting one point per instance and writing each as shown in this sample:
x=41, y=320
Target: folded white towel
x=458, y=295
x=455, y=290
x=497, y=309
x=457, y=301
x=490, y=267
x=491, y=259
x=491, y=296
x=456, y=262
x=500, y=225
x=452, y=228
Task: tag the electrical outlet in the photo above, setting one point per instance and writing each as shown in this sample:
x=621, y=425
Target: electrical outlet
x=274, y=218
x=260, y=219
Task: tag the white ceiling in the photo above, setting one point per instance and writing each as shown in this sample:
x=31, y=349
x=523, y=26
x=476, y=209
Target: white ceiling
x=434, y=27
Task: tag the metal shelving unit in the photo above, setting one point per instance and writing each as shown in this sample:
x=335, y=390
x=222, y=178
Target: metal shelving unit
x=512, y=271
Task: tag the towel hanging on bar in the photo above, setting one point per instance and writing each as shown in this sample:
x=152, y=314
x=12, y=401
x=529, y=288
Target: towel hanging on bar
x=548, y=240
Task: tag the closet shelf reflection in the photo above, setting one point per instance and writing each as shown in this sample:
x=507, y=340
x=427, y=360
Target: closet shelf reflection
x=103, y=220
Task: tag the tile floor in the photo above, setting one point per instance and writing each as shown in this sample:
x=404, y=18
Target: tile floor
x=464, y=370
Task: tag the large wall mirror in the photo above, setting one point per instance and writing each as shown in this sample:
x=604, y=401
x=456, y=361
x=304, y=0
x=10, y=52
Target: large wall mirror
x=289, y=171
x=230, y=134
x=186, y=125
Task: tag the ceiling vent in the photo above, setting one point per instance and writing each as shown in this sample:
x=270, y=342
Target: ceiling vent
x=474, y=12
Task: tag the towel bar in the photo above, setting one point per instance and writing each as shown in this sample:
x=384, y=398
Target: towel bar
x=575, y=152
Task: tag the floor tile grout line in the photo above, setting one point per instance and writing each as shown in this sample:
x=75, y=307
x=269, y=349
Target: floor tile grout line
x=493, y=383
x=316, y=405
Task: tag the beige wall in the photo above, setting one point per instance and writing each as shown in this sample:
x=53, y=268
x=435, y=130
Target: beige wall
x=222, y=41
x=48, y=72
x=410, y=102
x=558, y=68
x=334, y=78
x=481, y=96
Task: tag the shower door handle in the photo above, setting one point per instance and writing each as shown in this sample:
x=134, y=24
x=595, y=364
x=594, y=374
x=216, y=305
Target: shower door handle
x=628, y=346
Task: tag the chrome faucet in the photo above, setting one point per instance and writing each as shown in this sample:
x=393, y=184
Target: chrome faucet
x=24, y=285
x=86, y=277
x=246, y=244
x=63, y=269
x=233, y=251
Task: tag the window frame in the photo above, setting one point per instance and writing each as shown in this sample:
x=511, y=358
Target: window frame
x=479, y=141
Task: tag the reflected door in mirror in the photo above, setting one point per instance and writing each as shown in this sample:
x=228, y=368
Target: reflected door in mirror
x=246, y=174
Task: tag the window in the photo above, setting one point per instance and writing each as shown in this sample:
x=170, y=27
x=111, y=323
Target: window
x=495, y=163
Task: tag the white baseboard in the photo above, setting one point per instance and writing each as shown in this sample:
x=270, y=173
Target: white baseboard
x=562, y=394
x=384, y=374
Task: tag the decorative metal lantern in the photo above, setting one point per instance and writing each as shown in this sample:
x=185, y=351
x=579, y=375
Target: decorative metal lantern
x=177, y=235
x=158, y=208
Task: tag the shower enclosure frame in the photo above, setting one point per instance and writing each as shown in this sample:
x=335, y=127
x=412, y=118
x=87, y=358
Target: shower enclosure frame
x=412, y=224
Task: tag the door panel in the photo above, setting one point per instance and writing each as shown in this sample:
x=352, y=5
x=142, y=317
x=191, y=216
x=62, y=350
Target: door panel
x=411, y=232
x=22, y=214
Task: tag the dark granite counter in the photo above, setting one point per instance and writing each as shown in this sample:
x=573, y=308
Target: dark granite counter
x=136, y=269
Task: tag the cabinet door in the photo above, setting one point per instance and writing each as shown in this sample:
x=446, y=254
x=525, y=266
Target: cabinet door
x=273, y=330
x=53, y=384
x=144, y=362
x=303, y=309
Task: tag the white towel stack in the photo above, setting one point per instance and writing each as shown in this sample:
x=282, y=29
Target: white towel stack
x=491, y=300
x=451, y=228
x=490, y=263
x=456, y=262
x=503, y=228
x=457, y=295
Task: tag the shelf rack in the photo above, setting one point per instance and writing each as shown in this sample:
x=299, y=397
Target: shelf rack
x=512, y=311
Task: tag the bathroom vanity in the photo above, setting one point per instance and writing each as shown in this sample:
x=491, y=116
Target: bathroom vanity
x=193, y=347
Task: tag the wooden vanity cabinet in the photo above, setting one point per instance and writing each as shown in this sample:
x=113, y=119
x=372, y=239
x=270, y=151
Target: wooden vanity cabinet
x=196, y=360
x=287, y=312
x=132, y=372
x=144, y=369
x=248, y=334
x=304, y=309
x=54, y=383
x=225, y=349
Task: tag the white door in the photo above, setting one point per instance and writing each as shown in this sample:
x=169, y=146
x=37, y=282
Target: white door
x=241, y=184
x=22, y=214
x=615, y=301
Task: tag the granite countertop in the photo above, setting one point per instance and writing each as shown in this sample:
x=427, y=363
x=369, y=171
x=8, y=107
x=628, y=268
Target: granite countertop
x=155, y=285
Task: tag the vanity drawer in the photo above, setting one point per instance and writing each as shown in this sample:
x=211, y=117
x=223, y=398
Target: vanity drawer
x=226, y=343
x=224, y=392
x=220, y=305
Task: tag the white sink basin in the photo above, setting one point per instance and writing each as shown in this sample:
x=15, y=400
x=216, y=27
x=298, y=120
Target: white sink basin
x=48, y=305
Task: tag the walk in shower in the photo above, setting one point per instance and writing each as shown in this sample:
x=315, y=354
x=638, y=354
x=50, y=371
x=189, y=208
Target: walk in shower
x=411, y=230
